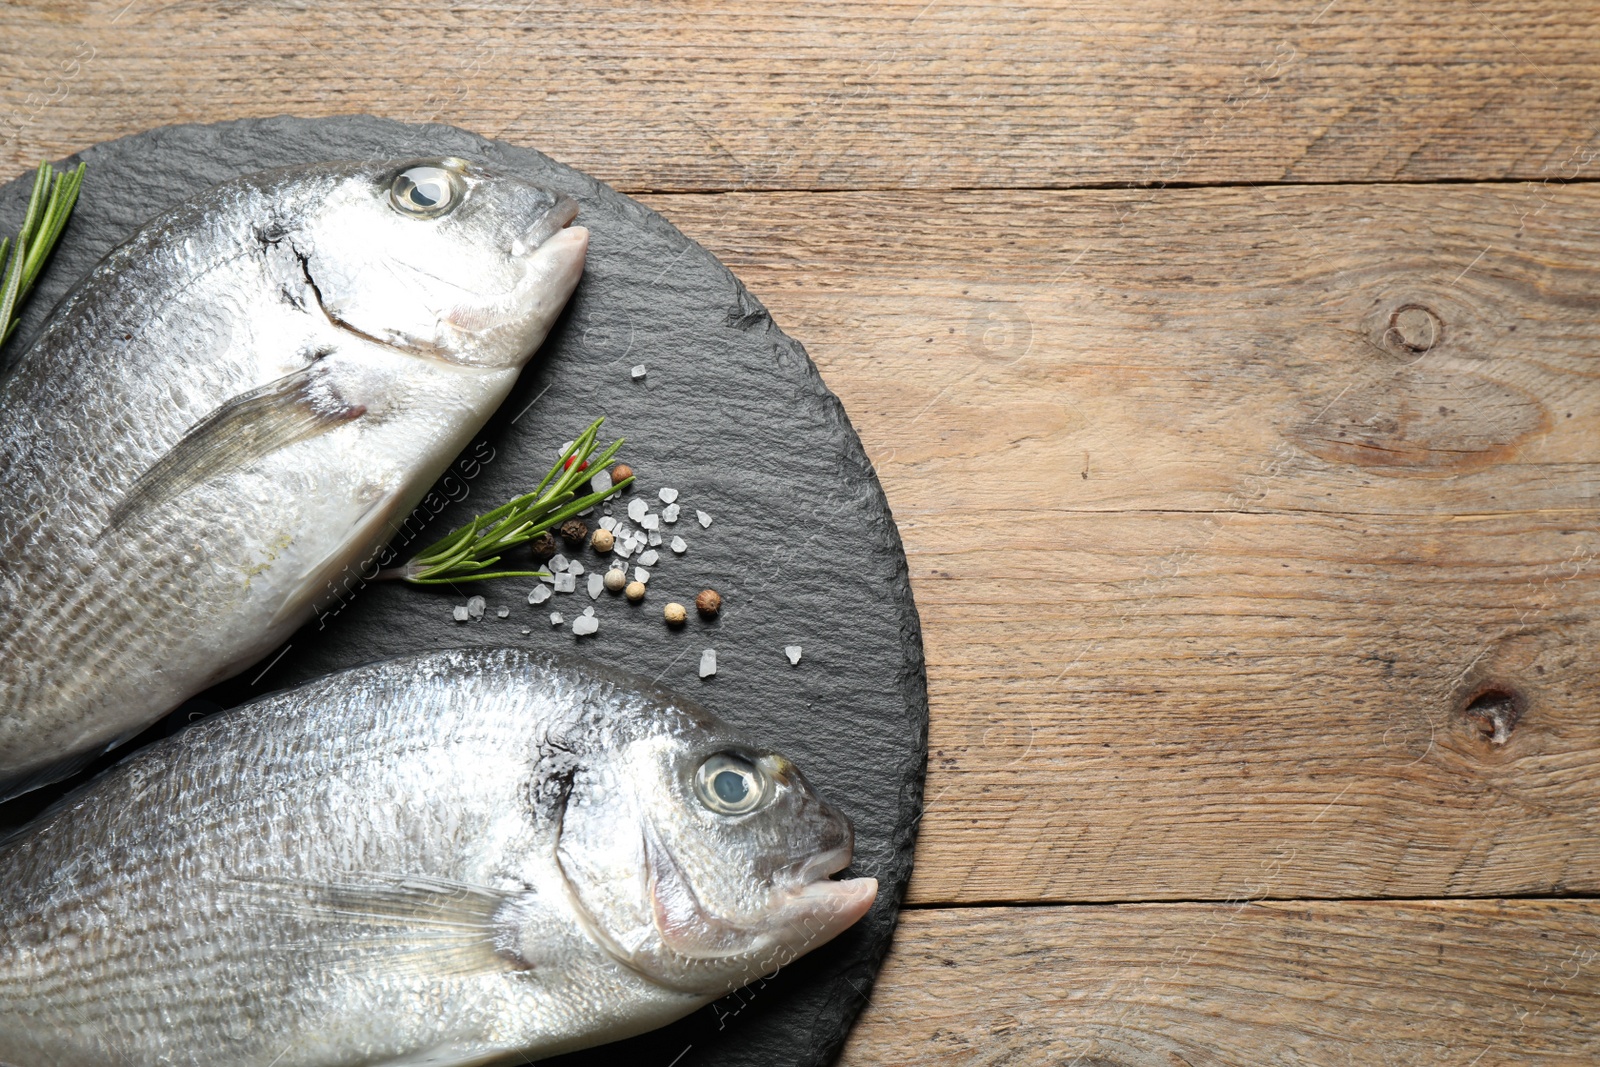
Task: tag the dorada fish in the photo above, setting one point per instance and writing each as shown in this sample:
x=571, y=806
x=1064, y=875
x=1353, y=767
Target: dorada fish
x=442, y=859
x=235, y=408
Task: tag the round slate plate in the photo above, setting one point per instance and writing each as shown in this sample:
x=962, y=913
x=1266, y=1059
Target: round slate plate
x=734, y=416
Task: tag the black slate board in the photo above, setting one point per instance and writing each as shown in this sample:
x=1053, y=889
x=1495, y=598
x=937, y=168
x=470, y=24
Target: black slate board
x=734, y=415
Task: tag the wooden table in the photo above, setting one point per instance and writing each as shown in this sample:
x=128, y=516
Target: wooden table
x=1233, y=371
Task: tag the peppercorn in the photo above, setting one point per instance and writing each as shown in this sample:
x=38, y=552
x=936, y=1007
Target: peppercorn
x=619, y=472
x=634, y=592
x=543, y=546
x=674, y=613
x=708, y=603
x=573, y=531
x=603, y=541
x=616, y=578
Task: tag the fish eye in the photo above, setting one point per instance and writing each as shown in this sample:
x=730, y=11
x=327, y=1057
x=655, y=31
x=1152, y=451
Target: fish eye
x=425, y=191
x=729, y=784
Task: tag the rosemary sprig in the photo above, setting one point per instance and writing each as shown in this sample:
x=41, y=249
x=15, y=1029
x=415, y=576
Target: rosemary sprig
x=470, y=553
x=23, y=257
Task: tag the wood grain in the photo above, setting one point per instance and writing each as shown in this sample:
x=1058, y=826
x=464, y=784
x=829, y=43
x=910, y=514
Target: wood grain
x=1211, y=562
x=849, y=95
x=1440, y=984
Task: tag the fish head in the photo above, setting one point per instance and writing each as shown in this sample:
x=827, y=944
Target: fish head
x=465, y=262
x=703, y=861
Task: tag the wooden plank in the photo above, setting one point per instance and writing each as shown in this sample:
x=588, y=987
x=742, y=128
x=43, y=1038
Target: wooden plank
x=1447, y=984
x=854, y=94
x=1212, y=562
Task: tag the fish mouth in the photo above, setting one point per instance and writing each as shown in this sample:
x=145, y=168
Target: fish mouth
x=828, y=905
x=552, y=222
x=824, y=865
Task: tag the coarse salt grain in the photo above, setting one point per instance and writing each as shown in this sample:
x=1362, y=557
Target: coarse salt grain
x=669, y=513
x=608, y=523
x=641, y=575
x=793, y=652
x=679, y=545
x=600, y=482
x=475, y=607
x=651, y=522
x=655, y=538
x=597, y=584
x=708, y=663
x=668, y=495
x=637, y=507
x=460, y=613
x=650, y=557
x=556, y=619
x=574, y=568
x=704, y=519
x=540, y=594
x=638, y=372
x=558, y=562
x=502, y=612
x=584, y=625
x=565, y=583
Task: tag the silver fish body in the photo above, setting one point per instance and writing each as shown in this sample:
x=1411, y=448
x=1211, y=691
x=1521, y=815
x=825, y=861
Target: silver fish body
x=234, y=409
x=442, y=859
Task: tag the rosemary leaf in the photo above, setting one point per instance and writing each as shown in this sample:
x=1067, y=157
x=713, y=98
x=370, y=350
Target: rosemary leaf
x=49, y=206
x=469, y=553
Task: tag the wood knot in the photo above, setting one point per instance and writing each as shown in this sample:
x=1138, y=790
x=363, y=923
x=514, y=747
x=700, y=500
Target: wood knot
x=1494, y=711
x=1413, y=328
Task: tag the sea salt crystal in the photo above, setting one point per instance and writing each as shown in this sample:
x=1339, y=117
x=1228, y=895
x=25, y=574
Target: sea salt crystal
x=584, y=625
x=563, y=449
x=669, y=513
x=565, y=583
x=574, y=568
x=475, y=607
x=708, y=663
x=597, y=585
x=624, y=548
x=556, y=619
x=793, y=652
x=641, y=575
x=638, y=372
x=540, y=594
x=655, y=538
x=637, y=508
x=650, y=557
x=651, y=522
x=704, y=519
x=502, y=612
x=600, y=482
x=526, y=631
x=558, y=562
x=668, y=495
x=679, y=545
x=589, y=612
x=608, y=523
x=460, y=613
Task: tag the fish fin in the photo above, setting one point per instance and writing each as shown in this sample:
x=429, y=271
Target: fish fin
x=419, y=925
x=54, y=771
x=320, y=579
x=247, y=428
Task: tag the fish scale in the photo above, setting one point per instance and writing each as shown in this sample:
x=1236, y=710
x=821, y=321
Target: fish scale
x=443, y=857
x=231, y=410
